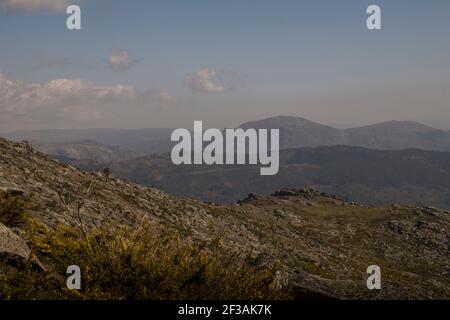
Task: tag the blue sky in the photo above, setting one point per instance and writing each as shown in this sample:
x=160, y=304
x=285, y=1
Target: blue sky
x=224, y=62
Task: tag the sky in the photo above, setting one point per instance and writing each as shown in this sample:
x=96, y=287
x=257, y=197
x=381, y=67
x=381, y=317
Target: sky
x=141, y=63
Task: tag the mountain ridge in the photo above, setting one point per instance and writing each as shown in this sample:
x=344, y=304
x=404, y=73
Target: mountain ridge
x=295, y=132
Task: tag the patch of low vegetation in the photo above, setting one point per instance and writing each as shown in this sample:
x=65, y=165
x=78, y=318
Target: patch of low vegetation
x=12, y=208
x=136, y=263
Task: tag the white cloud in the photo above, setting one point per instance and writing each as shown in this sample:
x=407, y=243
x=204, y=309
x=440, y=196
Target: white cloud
x=32, y=5
x=119, y=60
x=75, y=103
x=76, y=98
x=211, y=80
x=72, y=102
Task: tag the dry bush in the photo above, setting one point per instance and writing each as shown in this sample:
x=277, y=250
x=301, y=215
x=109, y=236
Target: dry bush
x=12, y=209
x=139, y=263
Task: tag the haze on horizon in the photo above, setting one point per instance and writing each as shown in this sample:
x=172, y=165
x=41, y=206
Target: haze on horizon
x=167, y=63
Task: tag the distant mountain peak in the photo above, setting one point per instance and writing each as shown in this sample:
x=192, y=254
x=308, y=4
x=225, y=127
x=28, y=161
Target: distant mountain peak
x=398, y=125
x=282, y=121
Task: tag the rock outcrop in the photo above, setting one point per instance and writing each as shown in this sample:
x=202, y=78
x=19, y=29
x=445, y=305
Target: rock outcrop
x=14, y=250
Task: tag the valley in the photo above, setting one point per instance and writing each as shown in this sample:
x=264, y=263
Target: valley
x=381, y=164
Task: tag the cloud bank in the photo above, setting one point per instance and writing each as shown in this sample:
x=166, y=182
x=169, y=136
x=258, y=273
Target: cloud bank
x=70, y=100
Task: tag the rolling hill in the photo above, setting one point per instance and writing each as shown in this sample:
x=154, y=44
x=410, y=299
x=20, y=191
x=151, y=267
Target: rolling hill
x=376, y=177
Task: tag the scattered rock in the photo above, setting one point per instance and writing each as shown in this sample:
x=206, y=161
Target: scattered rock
x=305, y=193
x=279, y=213
x=13, y=191
x=262, y=260
x=250, y=197
x=14, y=250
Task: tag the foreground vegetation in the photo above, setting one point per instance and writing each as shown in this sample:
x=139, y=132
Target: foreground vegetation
x=141, y=262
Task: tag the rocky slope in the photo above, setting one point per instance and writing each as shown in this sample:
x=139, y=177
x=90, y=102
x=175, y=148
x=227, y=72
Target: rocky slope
x=324, y=245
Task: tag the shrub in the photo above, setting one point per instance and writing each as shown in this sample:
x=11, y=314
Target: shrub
x=140, y=263
x=12, y=209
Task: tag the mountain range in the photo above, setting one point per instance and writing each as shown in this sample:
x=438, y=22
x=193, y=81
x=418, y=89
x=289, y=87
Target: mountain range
x=300, y=132
x=294, y=133
x=321, y=245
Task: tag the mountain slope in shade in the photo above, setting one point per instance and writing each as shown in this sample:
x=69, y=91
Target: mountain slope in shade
x=374, y=177
x=323, y=245
x=399, y=135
